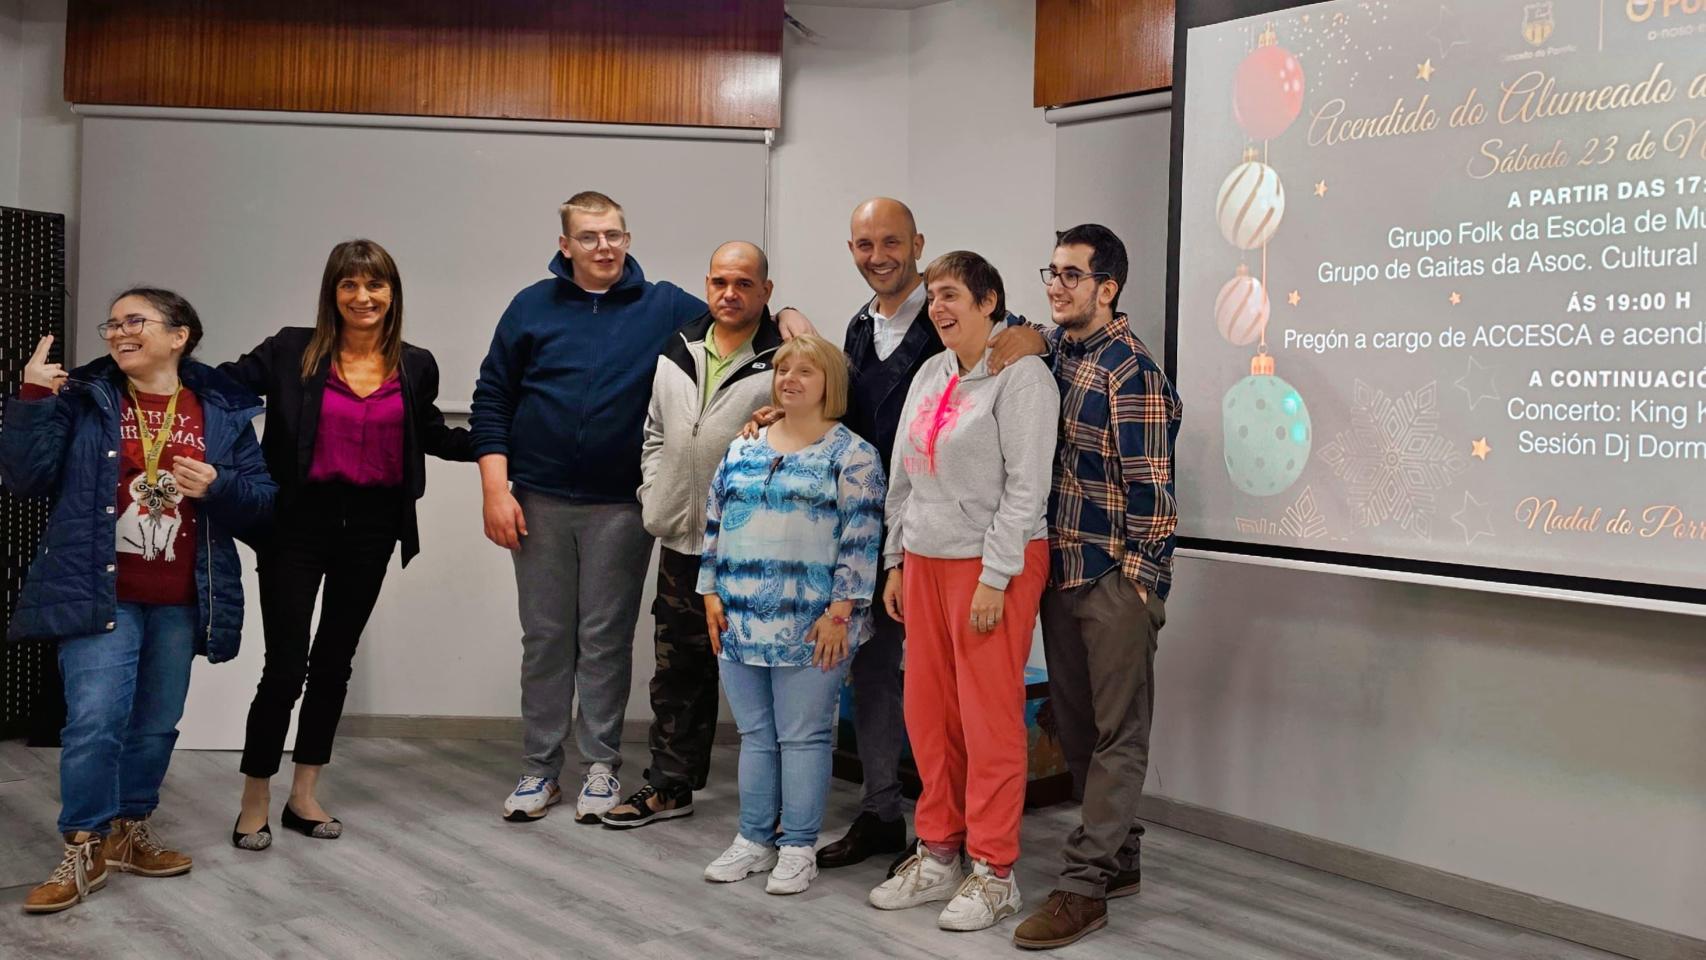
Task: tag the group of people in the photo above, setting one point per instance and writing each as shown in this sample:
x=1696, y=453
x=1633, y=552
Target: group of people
x=898, y=511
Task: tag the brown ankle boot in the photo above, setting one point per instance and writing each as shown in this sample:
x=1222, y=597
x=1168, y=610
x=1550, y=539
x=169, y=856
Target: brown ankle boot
x=1064, y=918
x=81, y=871
x=133, y=848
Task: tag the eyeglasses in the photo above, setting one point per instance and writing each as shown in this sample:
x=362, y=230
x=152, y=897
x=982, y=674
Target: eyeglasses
x=589, y=241
x=109, y=329
x=1069, y=278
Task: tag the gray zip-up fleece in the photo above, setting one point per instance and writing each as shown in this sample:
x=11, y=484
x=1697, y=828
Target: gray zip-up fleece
x=972, y=465
x=685, y=441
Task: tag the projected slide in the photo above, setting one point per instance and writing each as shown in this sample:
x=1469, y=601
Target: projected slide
x=1440, y=296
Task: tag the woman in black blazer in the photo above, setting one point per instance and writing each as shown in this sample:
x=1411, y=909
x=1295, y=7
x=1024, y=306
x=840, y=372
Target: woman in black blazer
x=350, y=417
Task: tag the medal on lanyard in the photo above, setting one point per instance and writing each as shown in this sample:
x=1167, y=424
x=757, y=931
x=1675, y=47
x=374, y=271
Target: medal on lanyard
x=159, y=490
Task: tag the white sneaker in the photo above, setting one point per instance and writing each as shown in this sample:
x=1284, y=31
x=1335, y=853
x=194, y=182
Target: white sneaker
x=796, y=867
x=599, y=792
x=982, y=901
x=530, y=798
x=742, y=859
x=921, y=879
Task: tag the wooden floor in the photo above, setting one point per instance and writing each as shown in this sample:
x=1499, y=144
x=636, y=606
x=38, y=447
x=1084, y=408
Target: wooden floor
x=427, y=869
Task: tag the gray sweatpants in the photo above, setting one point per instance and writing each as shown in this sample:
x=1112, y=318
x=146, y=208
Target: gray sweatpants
x=1100, y=641
x=578, y=578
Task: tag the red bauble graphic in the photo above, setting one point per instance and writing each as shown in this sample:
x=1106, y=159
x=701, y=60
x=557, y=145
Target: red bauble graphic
x=1267, y=93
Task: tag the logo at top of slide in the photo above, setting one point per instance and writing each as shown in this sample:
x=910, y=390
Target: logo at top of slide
x=1537, y=22
x=1640, y=11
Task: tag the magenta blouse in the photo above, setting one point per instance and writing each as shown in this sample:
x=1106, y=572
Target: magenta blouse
x=360, y=439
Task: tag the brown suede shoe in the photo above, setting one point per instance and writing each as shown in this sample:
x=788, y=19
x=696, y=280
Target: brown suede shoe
x=81, y=871
x=1063, y=918
x=133, y=848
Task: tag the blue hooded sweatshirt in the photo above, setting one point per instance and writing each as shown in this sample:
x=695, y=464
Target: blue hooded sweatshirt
x=564, y=389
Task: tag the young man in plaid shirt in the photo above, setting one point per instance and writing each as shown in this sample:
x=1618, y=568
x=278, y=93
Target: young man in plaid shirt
x=1111, y=536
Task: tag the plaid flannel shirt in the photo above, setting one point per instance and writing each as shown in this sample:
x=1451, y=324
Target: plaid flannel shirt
x=1112, y=499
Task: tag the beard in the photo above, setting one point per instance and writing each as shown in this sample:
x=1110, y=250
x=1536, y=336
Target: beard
x=1077, y=320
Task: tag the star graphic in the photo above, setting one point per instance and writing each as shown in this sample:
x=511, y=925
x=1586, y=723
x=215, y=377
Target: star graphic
x=1293, y=298
x=1321, y=188
x=1480, y=448
x=1477, y=384
x=1456, y=298
x=1474, y=519
x=1425, y=70
x=1447, y=32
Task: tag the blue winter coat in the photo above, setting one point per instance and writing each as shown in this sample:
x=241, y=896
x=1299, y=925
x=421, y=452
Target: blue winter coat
x=66, y=446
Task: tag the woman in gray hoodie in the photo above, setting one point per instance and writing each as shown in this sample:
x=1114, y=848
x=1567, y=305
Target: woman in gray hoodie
x=967, y=503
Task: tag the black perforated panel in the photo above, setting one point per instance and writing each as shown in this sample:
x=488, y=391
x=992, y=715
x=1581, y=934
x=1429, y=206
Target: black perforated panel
x=32, y=304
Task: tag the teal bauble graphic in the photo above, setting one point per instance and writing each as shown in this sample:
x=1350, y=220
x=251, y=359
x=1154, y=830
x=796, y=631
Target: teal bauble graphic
x=1267, y=434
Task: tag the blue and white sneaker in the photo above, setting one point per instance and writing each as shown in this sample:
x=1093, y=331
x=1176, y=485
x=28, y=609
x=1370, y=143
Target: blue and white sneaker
x=531, y=798
x=599, y=792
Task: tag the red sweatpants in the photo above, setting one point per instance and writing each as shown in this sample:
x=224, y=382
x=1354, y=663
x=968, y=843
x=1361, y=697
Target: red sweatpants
x=965, y=702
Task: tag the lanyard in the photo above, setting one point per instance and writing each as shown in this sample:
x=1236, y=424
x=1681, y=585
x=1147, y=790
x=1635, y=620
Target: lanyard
x=153, y=447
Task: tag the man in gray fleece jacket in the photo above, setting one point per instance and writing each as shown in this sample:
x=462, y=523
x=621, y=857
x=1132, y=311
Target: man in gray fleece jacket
x=710, y=378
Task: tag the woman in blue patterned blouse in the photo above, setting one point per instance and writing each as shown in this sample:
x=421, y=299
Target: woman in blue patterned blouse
x=792, y=535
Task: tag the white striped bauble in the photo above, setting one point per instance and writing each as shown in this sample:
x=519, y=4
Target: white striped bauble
x=1241, y=310
x=1250, y=204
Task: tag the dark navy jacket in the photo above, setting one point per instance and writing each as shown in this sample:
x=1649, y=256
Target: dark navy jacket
x=66, y=446
x=564, y=389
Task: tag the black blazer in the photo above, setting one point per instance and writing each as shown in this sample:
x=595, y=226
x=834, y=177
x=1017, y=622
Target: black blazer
x=274, y=370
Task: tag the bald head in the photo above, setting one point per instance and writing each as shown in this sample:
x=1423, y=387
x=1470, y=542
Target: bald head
x=884, y=209
x=738, y=285
x=745, y=252
x=886, y=245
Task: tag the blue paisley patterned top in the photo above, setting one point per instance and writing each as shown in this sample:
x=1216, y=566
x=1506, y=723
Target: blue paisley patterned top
x=788, y=534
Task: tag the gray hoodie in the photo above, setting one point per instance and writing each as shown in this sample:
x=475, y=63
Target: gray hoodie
x=971, y=468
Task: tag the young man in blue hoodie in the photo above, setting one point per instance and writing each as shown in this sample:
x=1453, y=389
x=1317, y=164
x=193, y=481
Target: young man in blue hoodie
x=557, y=424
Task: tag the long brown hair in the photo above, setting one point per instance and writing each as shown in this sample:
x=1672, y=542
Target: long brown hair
x=355, y=258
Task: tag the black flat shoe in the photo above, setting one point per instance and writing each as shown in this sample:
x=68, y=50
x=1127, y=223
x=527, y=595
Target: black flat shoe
x=867, y=837
x=318, y=829
x=257, y=841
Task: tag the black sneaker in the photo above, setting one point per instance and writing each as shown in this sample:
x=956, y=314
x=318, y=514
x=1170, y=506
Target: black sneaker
x=648, y=804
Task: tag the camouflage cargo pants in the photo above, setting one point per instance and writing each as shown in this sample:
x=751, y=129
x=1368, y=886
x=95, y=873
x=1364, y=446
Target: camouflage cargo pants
x=684, y=688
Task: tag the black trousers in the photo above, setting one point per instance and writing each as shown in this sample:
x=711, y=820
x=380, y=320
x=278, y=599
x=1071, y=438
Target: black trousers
x=340, y=536
x=684, y=687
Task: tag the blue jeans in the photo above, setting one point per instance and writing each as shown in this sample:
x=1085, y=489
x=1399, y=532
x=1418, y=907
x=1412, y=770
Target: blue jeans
x=785, y=715
x=124, y=695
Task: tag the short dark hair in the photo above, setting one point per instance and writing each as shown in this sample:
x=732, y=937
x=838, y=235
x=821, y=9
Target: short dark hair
x=752, y=248
x=1107, y=253
x=175, y=310
x=979, y=275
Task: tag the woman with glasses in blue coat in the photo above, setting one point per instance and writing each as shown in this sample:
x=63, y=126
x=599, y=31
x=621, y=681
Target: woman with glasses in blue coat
x=154, y=468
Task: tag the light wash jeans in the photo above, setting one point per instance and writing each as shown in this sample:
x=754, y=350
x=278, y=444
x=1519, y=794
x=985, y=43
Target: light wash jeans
x=124, y=696
x=785, y=715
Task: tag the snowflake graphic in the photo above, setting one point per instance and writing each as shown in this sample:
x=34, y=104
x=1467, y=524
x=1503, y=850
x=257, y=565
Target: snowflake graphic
x=1302, y=520
x=1393, y=459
